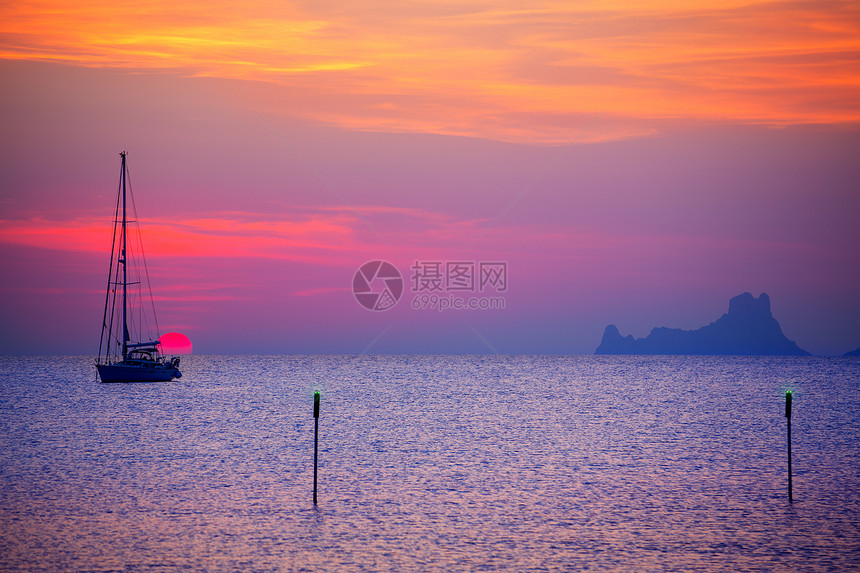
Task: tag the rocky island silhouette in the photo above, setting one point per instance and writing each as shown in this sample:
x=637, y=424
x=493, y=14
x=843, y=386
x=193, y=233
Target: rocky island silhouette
x=748, y=328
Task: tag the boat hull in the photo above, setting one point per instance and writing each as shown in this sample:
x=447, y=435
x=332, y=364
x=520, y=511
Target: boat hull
x=137, y=372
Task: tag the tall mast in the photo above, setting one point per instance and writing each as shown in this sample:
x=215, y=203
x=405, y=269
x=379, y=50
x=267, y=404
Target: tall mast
x=124, y=273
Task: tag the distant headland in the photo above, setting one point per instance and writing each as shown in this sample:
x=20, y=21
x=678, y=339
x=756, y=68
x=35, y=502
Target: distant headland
x=855, y=352
x=748, y=328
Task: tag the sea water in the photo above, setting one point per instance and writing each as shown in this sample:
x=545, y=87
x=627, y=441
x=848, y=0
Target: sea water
x=432, y=463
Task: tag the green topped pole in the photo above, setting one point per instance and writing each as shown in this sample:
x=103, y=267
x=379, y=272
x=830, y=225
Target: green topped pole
x=316, y=441
x=788, y=425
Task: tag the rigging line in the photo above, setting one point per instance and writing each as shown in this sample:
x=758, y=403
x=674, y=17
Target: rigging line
x=142, y=253
x=324, y=180
x=540, y=175
x=108, y=300
x=110, y=273
x=133, y=266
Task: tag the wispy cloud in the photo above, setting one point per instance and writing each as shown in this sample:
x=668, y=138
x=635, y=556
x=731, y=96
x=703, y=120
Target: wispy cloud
x=222, y=237
x=335, y=238
x=325, y=236
x=319, y=291
x=467, y=68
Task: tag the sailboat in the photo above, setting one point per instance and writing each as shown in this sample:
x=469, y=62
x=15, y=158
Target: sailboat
x=129, y=348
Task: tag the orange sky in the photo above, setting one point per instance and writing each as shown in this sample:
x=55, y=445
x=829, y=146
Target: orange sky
x=487, y=69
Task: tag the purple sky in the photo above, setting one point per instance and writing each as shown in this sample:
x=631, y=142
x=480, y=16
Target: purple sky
x=257, y=208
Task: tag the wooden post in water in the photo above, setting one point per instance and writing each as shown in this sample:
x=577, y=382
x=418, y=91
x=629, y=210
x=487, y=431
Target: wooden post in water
x=316, y=440
x=788, y=423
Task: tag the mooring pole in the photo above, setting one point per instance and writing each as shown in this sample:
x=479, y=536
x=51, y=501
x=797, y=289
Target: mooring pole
x=316, y=440
x=788, y=425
